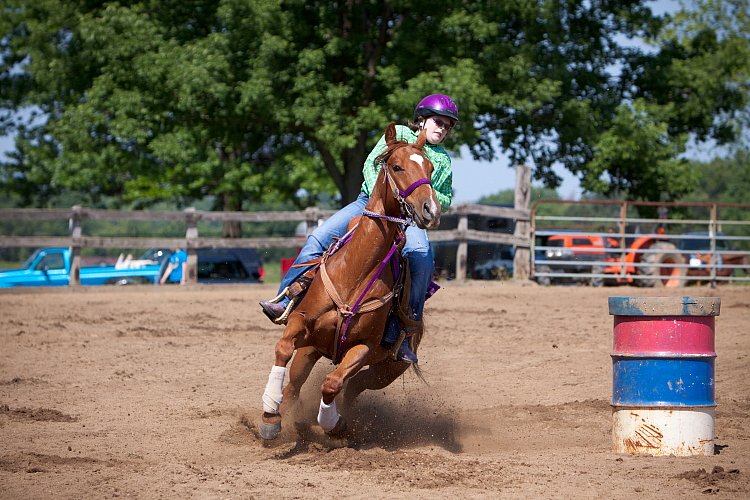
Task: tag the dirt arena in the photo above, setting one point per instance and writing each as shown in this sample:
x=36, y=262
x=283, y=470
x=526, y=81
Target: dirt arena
x=154, y=392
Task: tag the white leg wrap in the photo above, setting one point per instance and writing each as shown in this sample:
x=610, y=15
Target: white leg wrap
x=272, y=394
x=328, y=417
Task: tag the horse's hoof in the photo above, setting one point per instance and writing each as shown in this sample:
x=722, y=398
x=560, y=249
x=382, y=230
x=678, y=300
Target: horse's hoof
x=339, y=429
x=270, y=427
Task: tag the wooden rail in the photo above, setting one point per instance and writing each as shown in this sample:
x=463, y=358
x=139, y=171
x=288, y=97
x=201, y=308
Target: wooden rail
x=193, y=241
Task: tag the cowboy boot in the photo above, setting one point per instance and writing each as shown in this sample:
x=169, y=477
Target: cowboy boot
x=275, y=308
x=405, y=353
x=272, y=309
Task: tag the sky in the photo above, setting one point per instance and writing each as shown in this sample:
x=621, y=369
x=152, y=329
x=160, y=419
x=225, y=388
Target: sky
x=473, y=179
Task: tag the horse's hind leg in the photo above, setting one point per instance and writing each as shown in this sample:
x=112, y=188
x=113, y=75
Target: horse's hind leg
x=376, y=377
x=328, y=416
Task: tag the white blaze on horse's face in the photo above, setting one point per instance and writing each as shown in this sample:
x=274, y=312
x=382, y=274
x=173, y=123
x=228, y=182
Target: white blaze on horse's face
x=417, y=159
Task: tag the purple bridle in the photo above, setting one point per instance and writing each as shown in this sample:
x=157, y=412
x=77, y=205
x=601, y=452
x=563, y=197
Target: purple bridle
x=401, y=195
x=414, y=186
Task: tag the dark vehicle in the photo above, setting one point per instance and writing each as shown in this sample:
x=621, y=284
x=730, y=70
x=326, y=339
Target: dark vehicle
x=498, y=267
x=220, y=265
x=479, y=254
x=229, y=265
x=571, y=254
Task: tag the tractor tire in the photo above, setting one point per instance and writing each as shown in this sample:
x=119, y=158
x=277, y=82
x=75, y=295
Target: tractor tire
x=663, y=276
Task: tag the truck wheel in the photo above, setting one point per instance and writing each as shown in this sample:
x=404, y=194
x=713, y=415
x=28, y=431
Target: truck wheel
x=499, y=273
x=597, y=281
x=662, y=276
x=544, y=280
x=128, y=280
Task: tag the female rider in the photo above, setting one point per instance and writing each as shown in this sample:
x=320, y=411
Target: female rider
x=436, y=114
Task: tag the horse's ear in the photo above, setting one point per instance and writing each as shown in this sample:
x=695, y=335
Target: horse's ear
x=390, y=133
x=421, y=139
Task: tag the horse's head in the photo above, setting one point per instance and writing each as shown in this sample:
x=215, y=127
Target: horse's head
x=408, y=171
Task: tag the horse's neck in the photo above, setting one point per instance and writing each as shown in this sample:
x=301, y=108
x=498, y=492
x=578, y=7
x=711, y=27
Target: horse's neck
x=374, y=236
x=378, y=234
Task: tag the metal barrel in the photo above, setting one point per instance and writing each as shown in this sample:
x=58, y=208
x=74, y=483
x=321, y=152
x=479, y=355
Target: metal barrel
x=663, y=375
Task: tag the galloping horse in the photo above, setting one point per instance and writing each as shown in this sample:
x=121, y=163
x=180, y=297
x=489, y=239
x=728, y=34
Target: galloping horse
x=343, y=314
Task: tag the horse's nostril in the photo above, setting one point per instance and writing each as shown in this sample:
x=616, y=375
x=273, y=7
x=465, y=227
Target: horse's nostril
x=427, y=211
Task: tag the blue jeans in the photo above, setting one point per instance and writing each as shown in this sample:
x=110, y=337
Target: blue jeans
x=416, y=249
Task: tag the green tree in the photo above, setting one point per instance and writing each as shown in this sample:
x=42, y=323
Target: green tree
x=241, y=100
x=149, y=101
x=251, y=100
x=723, y=180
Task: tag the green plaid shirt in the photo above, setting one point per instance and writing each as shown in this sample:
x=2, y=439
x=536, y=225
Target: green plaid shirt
x=442, y=176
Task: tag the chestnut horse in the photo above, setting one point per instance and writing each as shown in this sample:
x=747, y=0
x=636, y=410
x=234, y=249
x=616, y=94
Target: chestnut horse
x=343, y=314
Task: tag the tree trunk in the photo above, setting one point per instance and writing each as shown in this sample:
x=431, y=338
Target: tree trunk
x=354, y=161
x=232, y=228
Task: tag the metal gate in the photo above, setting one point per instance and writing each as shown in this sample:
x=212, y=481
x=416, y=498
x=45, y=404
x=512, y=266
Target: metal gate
x=650, y=244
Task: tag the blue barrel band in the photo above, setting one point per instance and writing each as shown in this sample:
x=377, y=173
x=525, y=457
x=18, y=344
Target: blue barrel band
x=653, y=381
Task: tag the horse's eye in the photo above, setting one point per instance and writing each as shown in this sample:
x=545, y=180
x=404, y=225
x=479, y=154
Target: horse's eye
x=397, y=168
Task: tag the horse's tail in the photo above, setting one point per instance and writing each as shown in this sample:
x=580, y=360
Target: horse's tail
x=415, y=341
x=418, y=373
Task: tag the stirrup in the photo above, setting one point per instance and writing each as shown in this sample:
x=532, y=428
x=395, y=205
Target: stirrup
x=281, y=320
x=397, y=345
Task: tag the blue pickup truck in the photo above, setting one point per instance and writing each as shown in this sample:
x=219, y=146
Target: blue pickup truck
x=51, y=267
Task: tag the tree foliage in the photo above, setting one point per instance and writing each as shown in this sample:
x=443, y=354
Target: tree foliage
x=254, y=100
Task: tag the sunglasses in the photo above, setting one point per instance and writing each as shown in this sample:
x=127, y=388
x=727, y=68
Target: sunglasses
x=443, y=124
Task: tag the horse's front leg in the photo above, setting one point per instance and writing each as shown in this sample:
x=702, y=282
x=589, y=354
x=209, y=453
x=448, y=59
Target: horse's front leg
x=272, y=395
x=328, y=416
x=299, y=371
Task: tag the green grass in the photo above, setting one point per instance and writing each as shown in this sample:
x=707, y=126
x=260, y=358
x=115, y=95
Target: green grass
x=273, y=271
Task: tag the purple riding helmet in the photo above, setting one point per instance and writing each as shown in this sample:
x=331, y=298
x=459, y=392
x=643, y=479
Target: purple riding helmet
x=436, y=104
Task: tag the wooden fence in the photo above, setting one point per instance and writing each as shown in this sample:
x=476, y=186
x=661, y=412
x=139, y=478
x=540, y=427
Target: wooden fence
x=193, y=241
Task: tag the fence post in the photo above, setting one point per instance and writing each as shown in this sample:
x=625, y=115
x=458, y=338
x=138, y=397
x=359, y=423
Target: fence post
x=312, y=214
x=75, y=246
x=463, y=245
x=712, y=238
x=623, y=227
x=522, y=257
x=191, y=234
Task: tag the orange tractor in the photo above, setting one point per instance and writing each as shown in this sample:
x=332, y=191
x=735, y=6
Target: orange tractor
x=649, y=260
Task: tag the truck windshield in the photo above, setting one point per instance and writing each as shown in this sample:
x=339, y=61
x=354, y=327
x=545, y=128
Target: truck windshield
x=30, y=260
x=51, y=261
x=698, y=245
